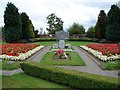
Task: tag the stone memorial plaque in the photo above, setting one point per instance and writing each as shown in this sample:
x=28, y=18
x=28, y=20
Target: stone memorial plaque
x=61, y=44
x=62, y=35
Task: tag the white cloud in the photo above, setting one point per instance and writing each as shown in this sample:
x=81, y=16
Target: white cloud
x=84, y=12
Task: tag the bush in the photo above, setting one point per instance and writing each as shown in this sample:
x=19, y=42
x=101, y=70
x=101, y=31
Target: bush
x=42, y=39
x=81, y=39
x=68, y=77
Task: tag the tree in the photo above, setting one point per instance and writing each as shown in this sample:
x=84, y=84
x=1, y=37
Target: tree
x=91, y=33
x=36, y=33
x=31, y=27
x=27, y=26
x=1, y=32
x=12, y=29
x=41, y=30
x=54, y=23
x=101, y=25
x=113, y=24
x=76, y=29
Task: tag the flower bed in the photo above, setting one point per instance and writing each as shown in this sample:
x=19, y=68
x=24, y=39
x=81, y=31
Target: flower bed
x=18, y=51
x=104, y=52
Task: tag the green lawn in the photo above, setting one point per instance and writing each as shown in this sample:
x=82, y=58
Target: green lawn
x=75, y=60
x=25, y=81
x=7, y=65
x=73, y=43
x=2, y=42
x=78, y=43
x=111, y=65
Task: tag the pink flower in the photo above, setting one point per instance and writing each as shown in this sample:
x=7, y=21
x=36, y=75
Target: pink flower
x=60, y=52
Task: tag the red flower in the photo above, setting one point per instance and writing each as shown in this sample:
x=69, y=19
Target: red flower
x=16, y=49
x=60, y=52
x=106, y=49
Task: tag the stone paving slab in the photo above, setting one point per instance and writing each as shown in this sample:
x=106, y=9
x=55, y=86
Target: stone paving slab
x=11, y=72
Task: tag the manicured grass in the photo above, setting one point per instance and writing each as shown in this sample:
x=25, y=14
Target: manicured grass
x=0, y=82
x=25, y=81
x=78, y=43
x=111, y=65
x=7, y=65
x=47, y=43
x=73, y=43
x=2, y=42
x=75, y=60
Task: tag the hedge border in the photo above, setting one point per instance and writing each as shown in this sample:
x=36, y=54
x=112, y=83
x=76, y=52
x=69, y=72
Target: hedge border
x=71, y=78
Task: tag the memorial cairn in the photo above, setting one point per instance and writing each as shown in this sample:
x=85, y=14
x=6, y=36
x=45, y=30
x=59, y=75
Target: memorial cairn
x=61, y=47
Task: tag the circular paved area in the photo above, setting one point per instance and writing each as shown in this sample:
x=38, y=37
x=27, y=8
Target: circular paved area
x=91, y=66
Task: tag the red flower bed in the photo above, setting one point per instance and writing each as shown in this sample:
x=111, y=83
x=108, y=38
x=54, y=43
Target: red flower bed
x=106, y=49
x=16, y=49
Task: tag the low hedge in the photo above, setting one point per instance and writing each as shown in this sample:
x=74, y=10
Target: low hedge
x=68, y=77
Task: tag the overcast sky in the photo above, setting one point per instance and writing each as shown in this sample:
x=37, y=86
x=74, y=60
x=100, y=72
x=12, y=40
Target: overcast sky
x=84, y=12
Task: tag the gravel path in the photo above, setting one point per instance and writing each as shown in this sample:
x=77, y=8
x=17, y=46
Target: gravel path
x=91, y=66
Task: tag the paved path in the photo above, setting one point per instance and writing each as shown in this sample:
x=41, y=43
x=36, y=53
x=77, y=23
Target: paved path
x=39, y=55
x=91, y=66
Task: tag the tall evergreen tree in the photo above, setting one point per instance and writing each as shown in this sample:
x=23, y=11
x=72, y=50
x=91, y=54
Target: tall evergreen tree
x=101, y=25
x=12, y=28
x=27, y=26
x=113, y=24
x=32, y=31
x=54, y=23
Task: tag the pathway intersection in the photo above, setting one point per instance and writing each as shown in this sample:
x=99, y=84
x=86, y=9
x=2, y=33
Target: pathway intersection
x=91, y=66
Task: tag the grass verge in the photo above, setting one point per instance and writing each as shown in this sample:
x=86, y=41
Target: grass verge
x=75, y=60
x=23, y=80
x=111, y=65
x=73, y=43
x=9, y=65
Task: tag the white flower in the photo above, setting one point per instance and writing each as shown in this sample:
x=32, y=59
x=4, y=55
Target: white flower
x=22, y=56
x=99, y=54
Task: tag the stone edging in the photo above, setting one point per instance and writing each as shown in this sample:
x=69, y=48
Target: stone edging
x=92, y=58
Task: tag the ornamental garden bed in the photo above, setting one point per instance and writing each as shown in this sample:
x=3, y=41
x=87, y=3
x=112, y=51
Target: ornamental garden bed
x=107, y=54
x=73, y=60
x=18, y=52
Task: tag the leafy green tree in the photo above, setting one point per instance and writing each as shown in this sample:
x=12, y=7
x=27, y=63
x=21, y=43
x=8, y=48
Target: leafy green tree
x=27, y=27
x=101, y=25
x=54, y=23
x=91, y=33
x=76, y=29
x=12, y=28
x=36, y=33
x=113, y=24
x=31, y=27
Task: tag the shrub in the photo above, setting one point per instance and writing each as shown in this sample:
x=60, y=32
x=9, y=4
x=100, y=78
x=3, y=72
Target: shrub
x=68, y=77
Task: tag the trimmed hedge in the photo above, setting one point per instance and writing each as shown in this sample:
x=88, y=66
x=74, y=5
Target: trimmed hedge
x=68, y=77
